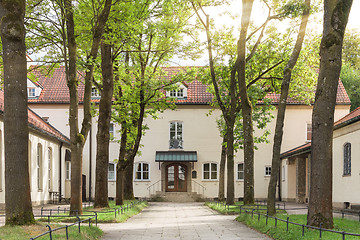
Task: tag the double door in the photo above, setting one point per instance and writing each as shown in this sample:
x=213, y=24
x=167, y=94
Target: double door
x=176, y=178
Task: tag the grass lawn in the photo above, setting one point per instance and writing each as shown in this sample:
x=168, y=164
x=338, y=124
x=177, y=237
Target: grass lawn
x=295, y=232
x=235, y=209
x=26, y=232
x=105, y=215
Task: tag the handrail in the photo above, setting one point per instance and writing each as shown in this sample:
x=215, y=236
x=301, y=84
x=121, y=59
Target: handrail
x=153, y=187
x=203, y=188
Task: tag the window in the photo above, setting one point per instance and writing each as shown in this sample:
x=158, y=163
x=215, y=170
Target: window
x=31, y=92
x=283, y=173
x=347, y=159
x=95, y=92
x=111, y=172
x=240, y=171
x=177, y=93
x=49, y=169
x=68, y=170
x=267, y=171
x=210, y=171
x=176, y=135
x=39, y=157
x=111, y=131
x=308, y=131
x=142, y=171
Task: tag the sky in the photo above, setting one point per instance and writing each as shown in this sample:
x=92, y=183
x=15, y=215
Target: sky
x=258, y=16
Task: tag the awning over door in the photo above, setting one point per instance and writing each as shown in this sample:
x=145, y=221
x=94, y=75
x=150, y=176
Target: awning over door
x=176, y=156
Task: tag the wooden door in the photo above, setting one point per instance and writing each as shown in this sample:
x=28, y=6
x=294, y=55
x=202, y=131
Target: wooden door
x=176, y=176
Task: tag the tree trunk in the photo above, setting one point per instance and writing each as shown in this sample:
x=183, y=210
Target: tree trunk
x=230, y=190
x=246, y=105
x=275, y=165
x=18, y=206
x=103, y=135
x=120, y=176
x=221, y=195
x=336, y=14
x=128, y=180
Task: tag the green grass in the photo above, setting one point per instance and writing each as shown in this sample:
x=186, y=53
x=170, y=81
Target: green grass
x=26, y=232
x=234, y=210
x=295, y=232
x=105, y=215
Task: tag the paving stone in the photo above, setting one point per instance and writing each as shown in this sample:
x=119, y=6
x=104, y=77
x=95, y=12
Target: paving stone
x=169, y=221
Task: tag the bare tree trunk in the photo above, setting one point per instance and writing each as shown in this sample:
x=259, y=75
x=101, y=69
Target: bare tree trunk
x=120, y=168
x=336, y=14
x=221, y=195
x=230, y=190
x=18, y=206
x=246, y=105
x=275, y=165
x=103, y=135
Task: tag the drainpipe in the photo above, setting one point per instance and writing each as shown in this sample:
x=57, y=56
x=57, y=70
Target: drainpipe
x=60, y=148
x=90, y=160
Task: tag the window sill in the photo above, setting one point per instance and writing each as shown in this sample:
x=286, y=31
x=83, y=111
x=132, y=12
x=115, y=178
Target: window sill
x=240, y=180
x=210, y=180
x=138, y=180
x=111, y=180
x=346, y=175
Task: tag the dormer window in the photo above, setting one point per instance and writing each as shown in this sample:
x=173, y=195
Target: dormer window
x=31, y=92
x=180, y=92
x=95, y=92
x=177, y=93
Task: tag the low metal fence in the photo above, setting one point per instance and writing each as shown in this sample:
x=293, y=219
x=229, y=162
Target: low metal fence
x=256, y=211
x=94, y=217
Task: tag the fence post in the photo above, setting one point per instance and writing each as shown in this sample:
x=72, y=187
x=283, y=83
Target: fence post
x=342, y=214
x=258, y=217
x=287, y=224
x=115, y=212
x=343, y=235
x=50, y=211
x=89, y=221
x=67, y=232
x=58, y=209
x=64, y=209
x=49, y=231
x=48, y=219
x=252, y=213
x=42, y=211
x=96, y=218
x=359, y=216
x=320, y=229
x=79, y=222
x=275, y=221
x=267, y=216
x=284, y=206
x=303, y=229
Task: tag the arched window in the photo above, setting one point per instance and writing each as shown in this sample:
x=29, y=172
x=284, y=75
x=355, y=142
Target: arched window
x=50, y=169
x=39, y=158
x=347, y=159
x=176, y=135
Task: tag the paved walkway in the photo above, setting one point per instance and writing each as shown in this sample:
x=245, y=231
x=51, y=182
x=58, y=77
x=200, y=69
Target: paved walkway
x=173, y=221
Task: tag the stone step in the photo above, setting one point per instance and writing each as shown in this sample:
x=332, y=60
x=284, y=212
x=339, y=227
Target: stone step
x=176, y=197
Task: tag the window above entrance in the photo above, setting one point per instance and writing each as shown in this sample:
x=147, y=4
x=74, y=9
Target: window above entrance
x=176, y=135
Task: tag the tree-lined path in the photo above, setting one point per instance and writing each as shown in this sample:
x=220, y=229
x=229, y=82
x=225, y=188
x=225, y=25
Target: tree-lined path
x=160, y=221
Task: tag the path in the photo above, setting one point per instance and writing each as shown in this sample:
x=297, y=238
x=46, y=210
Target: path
x=177, y=221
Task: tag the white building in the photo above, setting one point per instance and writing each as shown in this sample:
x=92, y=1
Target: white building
x=182, y=148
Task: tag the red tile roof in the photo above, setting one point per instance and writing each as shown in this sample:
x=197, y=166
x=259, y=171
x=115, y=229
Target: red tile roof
x=354, y=116
x=305, y=148
x=55, y=89
x=39, y=124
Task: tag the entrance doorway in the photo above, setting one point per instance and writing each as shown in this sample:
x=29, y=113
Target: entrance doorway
x=176, y=178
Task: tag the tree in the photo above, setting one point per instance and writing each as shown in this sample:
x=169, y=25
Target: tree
x=336, y=14
x=228, y=95
x=350, y=77
x=275, y=166
x=103, y=135
x=18, y=206
x=77, y=138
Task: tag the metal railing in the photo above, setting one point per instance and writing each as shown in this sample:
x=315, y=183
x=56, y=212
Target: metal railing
x=117, y=211
x=198, y=188
x=153, y=188
x=252, y=210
